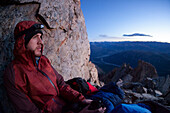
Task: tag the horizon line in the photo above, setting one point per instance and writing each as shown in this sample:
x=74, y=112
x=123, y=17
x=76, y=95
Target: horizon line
x=130, y=41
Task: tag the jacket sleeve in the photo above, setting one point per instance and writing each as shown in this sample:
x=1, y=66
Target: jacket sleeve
x=66, y=91
x=21, y=102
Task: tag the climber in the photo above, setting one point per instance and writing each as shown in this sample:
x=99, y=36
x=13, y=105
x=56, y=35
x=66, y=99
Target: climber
x=32, y=84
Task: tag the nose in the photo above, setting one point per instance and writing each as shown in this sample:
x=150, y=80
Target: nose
x=40, y=41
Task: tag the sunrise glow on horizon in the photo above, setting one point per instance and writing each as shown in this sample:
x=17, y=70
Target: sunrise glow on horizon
x=119, y=20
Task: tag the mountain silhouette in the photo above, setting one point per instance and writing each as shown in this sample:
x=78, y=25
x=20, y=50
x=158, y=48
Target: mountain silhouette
x=108, y=55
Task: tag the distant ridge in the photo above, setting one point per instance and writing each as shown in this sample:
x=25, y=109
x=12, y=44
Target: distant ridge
x=130, y=41
x=117, y=53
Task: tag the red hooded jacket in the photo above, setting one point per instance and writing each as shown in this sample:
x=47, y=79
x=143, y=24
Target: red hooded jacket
x=35, y=88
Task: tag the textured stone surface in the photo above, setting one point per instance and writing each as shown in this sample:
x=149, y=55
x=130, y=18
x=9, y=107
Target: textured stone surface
x=134, y=97
x=93, y=78
x=163, y=84
x=128, y=74
x=65, y=36
x=10, y=16
x=119, y=73
x=144, y=70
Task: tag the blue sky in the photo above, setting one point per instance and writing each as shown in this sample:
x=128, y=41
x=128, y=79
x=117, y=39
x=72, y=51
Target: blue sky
x=127, y=20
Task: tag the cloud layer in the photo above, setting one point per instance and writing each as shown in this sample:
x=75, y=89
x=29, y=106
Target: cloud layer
x=136, y=34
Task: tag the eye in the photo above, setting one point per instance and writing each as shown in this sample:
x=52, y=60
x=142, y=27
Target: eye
x=41, y=37
x=34, y=37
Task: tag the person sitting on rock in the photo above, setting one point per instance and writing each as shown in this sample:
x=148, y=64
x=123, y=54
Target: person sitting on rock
x=32, y=84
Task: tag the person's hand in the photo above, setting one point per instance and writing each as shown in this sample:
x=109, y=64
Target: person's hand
x=86, y=110
x=87, y=101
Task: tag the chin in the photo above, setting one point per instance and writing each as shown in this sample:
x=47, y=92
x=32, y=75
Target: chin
x=38, y=54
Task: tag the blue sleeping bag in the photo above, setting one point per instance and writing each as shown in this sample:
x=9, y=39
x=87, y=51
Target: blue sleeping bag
x=110, y=94
x=132, y=108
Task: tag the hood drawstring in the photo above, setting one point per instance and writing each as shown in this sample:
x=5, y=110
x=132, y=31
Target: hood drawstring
x=37, y=60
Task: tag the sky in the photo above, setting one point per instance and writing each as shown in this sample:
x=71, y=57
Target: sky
x=127, y=20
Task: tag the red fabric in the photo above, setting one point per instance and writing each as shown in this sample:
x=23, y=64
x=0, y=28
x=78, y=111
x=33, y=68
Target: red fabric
x=91, y=88
x=21, y=26
x=28, y=88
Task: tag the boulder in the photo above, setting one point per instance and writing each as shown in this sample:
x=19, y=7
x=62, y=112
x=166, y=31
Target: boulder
x=163, y=84
x=144, y=70
x=167, y=98
x=128, y=74
x=134, y=97
x=93, y=78
x=135, y=87
x=149, y=83
x=101, y=73
x=158, y=93
x=119, y=73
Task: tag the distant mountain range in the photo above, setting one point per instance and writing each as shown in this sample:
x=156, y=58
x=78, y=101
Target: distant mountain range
x=108, y=55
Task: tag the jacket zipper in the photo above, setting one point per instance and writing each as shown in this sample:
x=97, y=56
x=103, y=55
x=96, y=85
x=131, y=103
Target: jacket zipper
x=48, y=79
x=50, y=82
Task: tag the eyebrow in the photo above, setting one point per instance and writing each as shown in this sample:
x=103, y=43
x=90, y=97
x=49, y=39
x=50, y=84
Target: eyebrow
x=35, y=35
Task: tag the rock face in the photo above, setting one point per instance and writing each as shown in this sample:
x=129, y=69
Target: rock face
x=65, y=36
x=163, y=84
x=144, y=70
x=128, y=74
x=124, y=72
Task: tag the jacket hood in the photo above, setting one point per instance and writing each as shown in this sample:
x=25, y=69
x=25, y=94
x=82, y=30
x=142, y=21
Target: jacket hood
x=20, y=51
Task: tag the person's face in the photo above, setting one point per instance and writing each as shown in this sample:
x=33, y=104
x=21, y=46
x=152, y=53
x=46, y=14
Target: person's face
x=35, y=44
